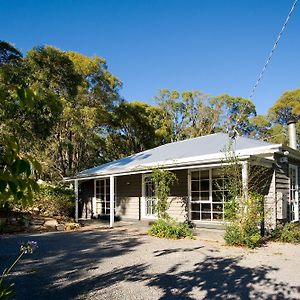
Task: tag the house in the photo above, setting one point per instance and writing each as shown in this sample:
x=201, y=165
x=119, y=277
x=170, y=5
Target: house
x=124, y=188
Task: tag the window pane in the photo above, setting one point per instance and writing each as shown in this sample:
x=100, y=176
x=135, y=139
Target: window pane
x=217, y=184
x=217, y=173
x=204, y=185
x=195, y=185
x=217, y=196
x=195, y=206
x=195, y=196
x=195, y=215
x=218, y=207
x=217, y=216
x=206, y=207
x=195, y=175
x=206, y=216
x=204, y=174
x=204, y=196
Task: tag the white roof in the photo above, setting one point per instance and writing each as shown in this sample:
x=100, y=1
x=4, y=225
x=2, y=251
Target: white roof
x=188, y=152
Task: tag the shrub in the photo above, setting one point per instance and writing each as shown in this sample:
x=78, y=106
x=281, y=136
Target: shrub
x=243, y=230
x=238, y=235
x=54, y=200
x=289, y=233
x=170, y=229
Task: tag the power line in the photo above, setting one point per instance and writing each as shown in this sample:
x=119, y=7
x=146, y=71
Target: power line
x=273, y=50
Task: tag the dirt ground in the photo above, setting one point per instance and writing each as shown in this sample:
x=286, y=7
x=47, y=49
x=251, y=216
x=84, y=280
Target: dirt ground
x=124, y=264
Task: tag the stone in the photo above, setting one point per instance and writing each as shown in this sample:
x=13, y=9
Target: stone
x=60, y=227
x=35, y=228
x=72, y=226
x=51, y=224
x=3, y=221
x=37, y=222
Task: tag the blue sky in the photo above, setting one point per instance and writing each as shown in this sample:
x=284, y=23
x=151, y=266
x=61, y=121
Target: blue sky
x=214, y=46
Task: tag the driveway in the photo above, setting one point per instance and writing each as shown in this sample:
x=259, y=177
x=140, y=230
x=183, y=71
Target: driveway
x=121, y=264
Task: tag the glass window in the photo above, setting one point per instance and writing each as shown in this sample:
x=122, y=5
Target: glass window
x=102, y=195
x=208, y=194
x=150, y=198
x=293, y=207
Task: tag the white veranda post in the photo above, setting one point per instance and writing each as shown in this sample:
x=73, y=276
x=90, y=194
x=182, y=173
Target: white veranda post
x=76, y=199
x=245, y=178
x=112, y=201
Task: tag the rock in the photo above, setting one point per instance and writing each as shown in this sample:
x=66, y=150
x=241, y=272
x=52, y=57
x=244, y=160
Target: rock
x=60, y=227
x=37, y=222
x=35, y=228
x=51, y=224
x=3, y=221
x=72, y=226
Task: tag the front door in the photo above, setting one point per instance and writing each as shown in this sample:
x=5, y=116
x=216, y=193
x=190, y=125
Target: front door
x=149, y=199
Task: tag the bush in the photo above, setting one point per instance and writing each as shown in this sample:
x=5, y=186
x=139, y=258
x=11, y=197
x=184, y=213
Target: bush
x=243, y=230
x=170, y=229
x=289, y=233
x=238, y=235
x=54, y=200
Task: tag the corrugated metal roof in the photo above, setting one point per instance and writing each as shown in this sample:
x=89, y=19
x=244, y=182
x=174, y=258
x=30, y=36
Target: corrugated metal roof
x=174, y=153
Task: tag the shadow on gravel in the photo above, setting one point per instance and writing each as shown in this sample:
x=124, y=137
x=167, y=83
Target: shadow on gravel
x=221, y=278
x=61, y=257
x=62, y=269
x=215, y=277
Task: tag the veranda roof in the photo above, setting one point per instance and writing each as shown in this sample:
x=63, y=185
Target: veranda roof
x=193, y=151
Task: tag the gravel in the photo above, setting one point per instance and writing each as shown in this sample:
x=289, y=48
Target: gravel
x=125, y=264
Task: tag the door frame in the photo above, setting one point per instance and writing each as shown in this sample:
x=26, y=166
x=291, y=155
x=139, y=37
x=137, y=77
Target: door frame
x=296, y=206
x=143, y=202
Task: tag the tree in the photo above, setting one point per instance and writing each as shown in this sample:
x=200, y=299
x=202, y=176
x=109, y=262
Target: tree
x=286, y=108
x=8, y=53
x=78, y=139
x=134, y=127
x=192, y=113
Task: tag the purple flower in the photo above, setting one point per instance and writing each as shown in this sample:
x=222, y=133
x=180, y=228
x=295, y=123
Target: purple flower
x=28, y=247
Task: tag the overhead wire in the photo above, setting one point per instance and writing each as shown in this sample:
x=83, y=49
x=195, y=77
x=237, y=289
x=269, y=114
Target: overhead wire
x=233, y=130
x=273, y=50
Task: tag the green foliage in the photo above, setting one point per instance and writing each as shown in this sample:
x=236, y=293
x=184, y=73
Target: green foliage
x=134, y=127
x=163, y=181
x=243, y=230
x=288, y=233
x=192, y=113
x=170, y=229
x=8, y=53
x=54, y=200
x=16, y=182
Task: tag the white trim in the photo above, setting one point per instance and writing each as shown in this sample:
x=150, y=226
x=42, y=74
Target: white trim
x=111, y=200
x=94, y=201
x=143, y=201
x=189, y=194
x=296, y=207
x=76, y=199
x=245, y=176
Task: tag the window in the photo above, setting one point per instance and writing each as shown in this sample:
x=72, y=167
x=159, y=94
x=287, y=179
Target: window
x=294, y=200
x=207, y=195
x=102, y=195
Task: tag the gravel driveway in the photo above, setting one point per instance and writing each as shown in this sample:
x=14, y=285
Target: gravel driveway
x=121, y=264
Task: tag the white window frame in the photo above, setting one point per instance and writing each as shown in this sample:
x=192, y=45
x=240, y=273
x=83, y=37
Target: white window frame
x=210, y=201
x=106, y=198
x=143, y=202
x=296, y=206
